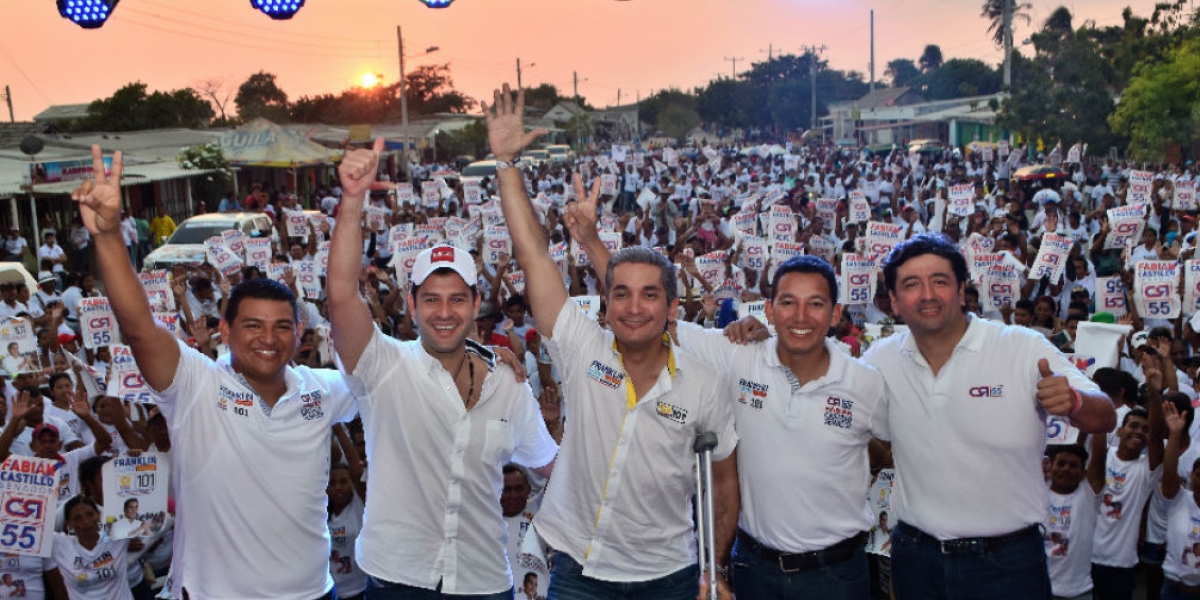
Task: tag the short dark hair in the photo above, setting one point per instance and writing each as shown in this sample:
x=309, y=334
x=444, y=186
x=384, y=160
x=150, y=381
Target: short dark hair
x=805, y=263
x=130, y=501
x=919, y=245
x=259, y=288
x=1161, y=333
x=1137, y=411
x=643, y=256
x=1054, y=450
x=55, y=378
x=73, y=503
x=1113, y=380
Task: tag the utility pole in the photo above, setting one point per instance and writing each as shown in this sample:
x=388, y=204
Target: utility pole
x=734, y=60
x=812, y=74
x=8, y=99
x=1008, y=43
x=518, y=74
x=403, y=109
x=575, y=87
x=872, y=88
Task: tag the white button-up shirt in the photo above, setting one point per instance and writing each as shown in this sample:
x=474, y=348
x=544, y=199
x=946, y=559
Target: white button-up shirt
x=817, y=496
x=433, y=504
x=968, y=443
x=618, y=501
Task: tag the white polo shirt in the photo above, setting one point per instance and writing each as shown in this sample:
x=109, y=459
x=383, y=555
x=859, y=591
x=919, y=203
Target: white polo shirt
x=250, y=481
x=968, y=443
x=818, y=496
x=618, y=501
x=433, y=505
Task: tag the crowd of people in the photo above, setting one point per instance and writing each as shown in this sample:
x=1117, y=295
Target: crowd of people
x=458, y=388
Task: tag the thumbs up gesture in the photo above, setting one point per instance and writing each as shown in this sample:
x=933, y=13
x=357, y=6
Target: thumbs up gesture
x=1054, y=392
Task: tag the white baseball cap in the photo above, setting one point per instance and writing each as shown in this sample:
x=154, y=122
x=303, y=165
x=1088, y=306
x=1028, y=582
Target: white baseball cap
x=443, y=257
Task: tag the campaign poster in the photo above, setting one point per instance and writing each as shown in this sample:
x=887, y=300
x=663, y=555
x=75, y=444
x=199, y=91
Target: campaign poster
x=1051, y=258
x=20, y=346
x=220, y=257
x=860, y=208
x=135, y=495
x=97, y=324
x=125, y=379
x=882, y=237
x=404, y=193
x=857, y=279
x=1154, y=289
x=879, y=540
x=1110, y=295
x=30, y=500
x=258, y=253
x=1191, y=286
x=496, y=243
x=590, y=305
x=1185, y=194
x=157, y=285
x=297, y=223
x=962, y=199
x=754, y=253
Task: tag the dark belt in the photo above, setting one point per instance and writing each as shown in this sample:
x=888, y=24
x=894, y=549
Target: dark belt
x=971, y=546
x=1183, y=588
x=788, y=562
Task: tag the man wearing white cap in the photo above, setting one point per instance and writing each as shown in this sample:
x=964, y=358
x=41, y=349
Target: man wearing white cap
x=441, y=415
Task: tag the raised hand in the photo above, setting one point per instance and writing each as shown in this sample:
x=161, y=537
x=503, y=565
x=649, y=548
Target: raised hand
x=357, y=172
x=1175, y=421
x=79, y=403
x=99, y=198
x=20, y=405
x=581, y=214
x=506, y=124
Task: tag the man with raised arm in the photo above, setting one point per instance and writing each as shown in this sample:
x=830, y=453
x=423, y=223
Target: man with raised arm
x=441, y=416
x=250, y=434
x=618, y=510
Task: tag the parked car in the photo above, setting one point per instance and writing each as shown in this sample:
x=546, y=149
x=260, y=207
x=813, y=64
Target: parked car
x=480, y=168
x=186, y=245
x=535, y=158
x=559, y=153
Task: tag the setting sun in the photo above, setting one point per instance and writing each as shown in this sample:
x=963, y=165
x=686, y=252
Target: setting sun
x=370, y=80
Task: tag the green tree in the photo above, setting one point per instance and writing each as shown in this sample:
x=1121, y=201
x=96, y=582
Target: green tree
x=1063, y=92
x=131, y=108
x=902, y=72
x=931, y=58
x=208, y=157
x=542, y=97
x=650, y=108
x=431, y=90
x=260, y=96
x=959, y=77
x=677, y=121
x=1159, y=107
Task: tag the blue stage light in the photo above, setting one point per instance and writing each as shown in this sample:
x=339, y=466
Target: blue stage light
x=88, y=14
x=436, y=3
x=278, y=9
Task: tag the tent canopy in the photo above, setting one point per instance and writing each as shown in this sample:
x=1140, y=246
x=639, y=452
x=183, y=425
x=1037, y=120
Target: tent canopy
x=261, y=143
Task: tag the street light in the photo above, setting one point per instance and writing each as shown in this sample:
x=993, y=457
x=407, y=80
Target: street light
x=404, y=97
x=279, y=10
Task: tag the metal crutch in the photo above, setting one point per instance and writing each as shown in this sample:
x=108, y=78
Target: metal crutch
x=707, y=551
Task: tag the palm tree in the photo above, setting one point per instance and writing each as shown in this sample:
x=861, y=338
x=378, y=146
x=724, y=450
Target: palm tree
x=993, y=10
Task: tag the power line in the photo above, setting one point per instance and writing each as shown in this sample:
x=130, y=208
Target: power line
x=297, y=50
x=257, y=30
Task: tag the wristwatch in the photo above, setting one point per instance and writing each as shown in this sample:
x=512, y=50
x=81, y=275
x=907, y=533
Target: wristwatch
x=504, y=164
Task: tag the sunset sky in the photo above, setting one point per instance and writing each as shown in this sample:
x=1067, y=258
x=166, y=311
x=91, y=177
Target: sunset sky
x=633, y=47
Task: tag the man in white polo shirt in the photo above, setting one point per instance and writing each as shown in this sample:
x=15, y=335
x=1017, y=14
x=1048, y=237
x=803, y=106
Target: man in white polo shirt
x=442, y=417
x=803, y=522
x=618, y=508
x=250, y=434
x=967, y=406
